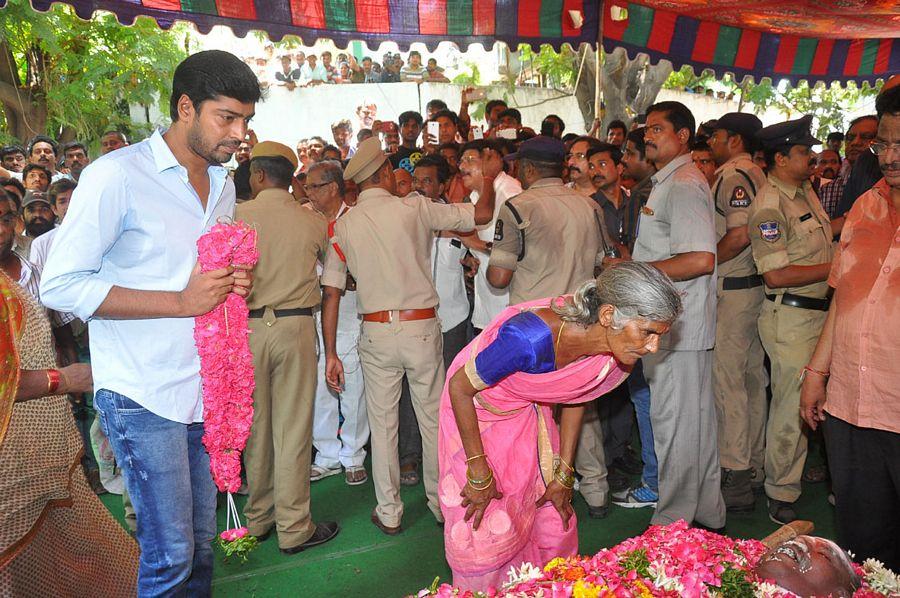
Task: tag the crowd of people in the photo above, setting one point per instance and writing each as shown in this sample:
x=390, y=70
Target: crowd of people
x=302, y=69
x=491, y=311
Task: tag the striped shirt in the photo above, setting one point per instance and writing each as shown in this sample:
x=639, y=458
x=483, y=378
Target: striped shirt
x=30, y=280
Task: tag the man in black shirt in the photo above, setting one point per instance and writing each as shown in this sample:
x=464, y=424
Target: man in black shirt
x=408, y=154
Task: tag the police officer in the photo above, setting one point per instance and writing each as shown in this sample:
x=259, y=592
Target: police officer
x=739, y=379
x=283, y=342
x=791, y=239
x=385, y=243
x=547, y=241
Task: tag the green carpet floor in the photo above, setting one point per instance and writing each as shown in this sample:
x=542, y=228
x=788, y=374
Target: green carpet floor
x=363, y=561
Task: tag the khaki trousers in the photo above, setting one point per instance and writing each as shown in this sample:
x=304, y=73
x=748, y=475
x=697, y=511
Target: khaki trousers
x=590, y=458
x=387, y=352
x=739, y=380
x=789, y=335
x=279, y=450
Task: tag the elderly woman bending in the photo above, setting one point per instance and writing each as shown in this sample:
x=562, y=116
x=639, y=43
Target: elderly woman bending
x=506, y=473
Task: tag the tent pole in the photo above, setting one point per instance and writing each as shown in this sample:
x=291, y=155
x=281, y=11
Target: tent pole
x=599, y=50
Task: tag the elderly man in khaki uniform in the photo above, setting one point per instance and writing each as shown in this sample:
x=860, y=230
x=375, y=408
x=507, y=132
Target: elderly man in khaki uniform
x=385, y=243
x=291, y=239
x=791, y=239
x=547, y=241
x=739, y=377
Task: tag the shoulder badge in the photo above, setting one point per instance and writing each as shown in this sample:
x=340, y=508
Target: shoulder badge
x=498, y=231
x=770, y=231
x=739, y=198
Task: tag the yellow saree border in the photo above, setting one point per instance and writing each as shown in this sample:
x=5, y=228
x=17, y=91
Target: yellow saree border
x=12, y=313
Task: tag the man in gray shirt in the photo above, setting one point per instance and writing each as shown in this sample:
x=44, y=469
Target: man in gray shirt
x=677, y=235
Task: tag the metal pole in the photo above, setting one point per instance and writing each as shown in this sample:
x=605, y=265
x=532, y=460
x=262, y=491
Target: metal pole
x=597, y=91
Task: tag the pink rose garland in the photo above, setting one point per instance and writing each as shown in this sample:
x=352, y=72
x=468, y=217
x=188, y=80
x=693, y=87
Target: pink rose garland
x=226, y=370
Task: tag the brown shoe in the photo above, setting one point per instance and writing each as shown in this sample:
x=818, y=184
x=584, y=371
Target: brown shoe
x=391, y=531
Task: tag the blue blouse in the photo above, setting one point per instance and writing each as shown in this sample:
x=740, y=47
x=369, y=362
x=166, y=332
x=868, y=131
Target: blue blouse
x=524, y=343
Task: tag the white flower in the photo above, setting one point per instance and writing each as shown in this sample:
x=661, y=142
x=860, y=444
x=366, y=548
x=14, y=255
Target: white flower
x=663, y=581
x=525, y=573
x=880, y=578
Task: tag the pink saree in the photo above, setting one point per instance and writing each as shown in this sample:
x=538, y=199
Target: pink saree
x=521, y=441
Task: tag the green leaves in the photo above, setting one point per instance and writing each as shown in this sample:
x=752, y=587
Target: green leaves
x=88, y=72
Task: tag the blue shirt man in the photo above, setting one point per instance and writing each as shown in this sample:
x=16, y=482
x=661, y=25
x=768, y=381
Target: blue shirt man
x=125, y=262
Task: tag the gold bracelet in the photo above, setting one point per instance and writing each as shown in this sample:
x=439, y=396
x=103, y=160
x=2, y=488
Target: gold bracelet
x=569, y=467
x=480, y=482
x=485, y=486
x=470, y=459
x=564, y=480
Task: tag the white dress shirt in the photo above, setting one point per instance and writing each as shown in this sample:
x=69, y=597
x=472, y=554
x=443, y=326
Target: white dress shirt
x=490, y=301
x=134, y=222
x=449, y=280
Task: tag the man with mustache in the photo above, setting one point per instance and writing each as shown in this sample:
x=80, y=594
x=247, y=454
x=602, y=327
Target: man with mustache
x=677, y=235
x=851, y=385
x=12, y=158
x=739, y=378
x=858, y=139
x=790, y=236
x=828, y=164
x=36, y=177
x=577, y=162
x=38, y=214
x=135, y=220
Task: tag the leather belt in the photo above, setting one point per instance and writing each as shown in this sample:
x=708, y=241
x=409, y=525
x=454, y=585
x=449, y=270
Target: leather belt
x=282, y=313
x=802, y=302
x=405, y=315
x=735, y=283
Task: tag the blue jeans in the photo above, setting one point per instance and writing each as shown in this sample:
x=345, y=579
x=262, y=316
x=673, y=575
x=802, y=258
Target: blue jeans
x=640, y=396
x=167, y=476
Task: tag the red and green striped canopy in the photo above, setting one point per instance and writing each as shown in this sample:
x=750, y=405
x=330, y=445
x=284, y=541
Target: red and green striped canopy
x=464, y=22
x=707, y=44
x=796, y=39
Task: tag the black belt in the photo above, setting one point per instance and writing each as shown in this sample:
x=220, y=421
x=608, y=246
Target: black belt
x=735, y=283
x=282, y=313
x=804, y=302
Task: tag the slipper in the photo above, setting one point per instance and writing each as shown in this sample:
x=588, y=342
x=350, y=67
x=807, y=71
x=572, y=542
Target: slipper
x=815, y=474
x=409, y=478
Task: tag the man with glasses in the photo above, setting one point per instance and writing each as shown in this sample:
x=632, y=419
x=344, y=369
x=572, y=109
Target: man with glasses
x=859, y=137
x=851, y=384
x=291, y=239
x=325, y=187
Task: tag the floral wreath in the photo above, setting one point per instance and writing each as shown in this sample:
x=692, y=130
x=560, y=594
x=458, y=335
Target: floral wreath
x=664, y=562
x=226, y=371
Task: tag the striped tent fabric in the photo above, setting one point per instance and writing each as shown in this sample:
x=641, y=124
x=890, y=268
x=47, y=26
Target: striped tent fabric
x=705, y=44
x=464, y=22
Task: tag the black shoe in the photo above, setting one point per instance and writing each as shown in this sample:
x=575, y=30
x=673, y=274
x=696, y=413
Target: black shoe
x=737, y=491
x=598, y=512
x=325, y=531
x=265, y=535
x=782, y=512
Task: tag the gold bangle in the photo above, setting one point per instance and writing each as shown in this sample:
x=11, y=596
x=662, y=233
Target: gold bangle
x=569, y=467
x=566, y=481
x=485, y=486
x=480, y=482
x=470, y=459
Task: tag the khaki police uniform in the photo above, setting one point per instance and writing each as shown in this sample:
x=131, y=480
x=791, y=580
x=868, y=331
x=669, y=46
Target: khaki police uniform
x=385, y=243
x=291, y=239
x=788, y=228
x=739, y=378
x=550, y=236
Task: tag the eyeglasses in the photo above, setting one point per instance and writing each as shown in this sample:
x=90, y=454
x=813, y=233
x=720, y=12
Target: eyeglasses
x=314, y=186
x=881, y=147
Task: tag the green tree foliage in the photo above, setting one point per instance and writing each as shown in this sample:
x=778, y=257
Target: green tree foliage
x=71, y=78
x=828, y=104
x=558, y=69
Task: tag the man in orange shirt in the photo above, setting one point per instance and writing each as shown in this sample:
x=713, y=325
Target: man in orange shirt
x=852, y=383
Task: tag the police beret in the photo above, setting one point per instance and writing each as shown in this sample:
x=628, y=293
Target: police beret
x=542, y=148
x=273, y=149
x=745, y=124
x=792, y=132
x=366, y=161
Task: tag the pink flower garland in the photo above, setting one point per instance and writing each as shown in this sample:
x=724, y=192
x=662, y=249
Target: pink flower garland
x=226, y=364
